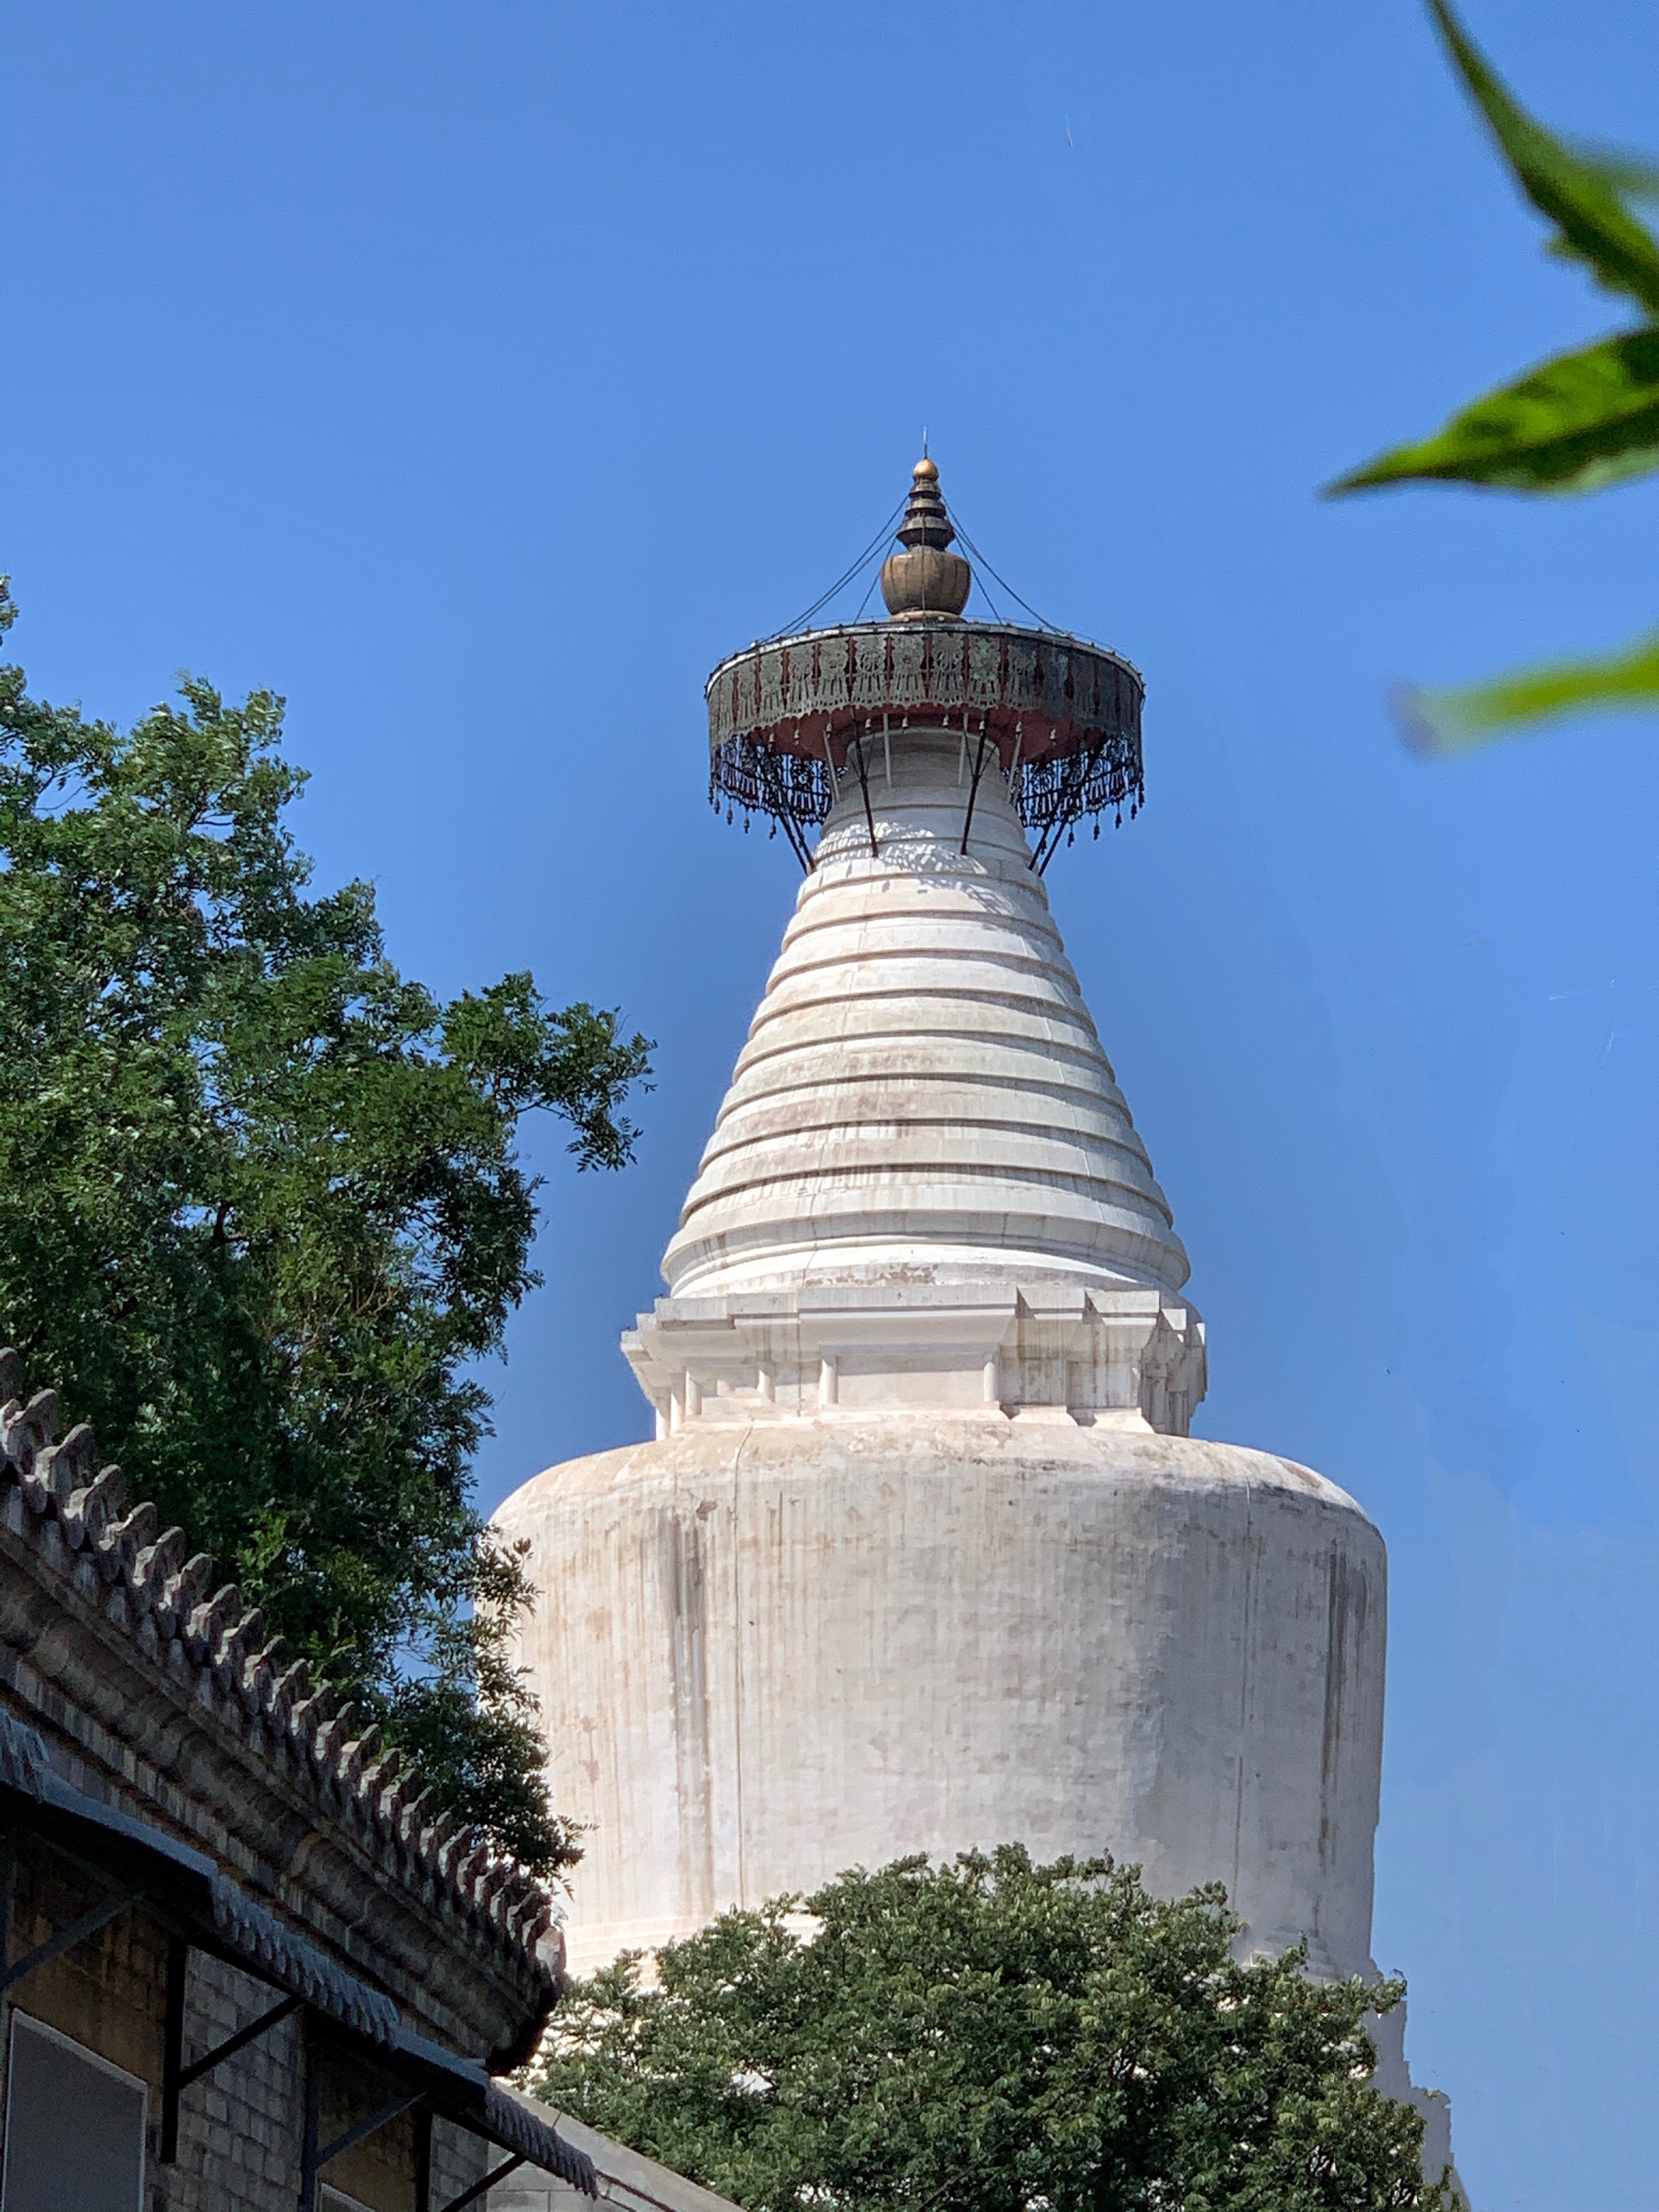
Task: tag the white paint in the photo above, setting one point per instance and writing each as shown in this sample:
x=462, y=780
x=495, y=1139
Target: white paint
x=771, y=1650
x=922, y=1086
x=926, y=1559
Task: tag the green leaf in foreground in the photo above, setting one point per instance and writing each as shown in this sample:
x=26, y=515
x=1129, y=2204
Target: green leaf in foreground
x=1581, y=421
x=1458, y=719
x=1580, y=196
x=1632, y=176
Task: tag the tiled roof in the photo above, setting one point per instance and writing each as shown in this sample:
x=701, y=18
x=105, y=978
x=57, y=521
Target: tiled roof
x=198, y=1638
x=196, y=1894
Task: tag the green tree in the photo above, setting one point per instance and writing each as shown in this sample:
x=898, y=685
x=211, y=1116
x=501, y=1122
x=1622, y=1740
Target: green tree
x=261, y=1210
x=1582, y=421
x=991, y=2036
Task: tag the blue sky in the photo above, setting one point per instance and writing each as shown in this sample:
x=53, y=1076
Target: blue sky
x=479, y=377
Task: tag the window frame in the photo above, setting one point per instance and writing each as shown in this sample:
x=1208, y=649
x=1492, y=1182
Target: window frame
x=15, y=2013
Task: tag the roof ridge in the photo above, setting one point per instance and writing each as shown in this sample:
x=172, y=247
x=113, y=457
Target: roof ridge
x=139, y=1575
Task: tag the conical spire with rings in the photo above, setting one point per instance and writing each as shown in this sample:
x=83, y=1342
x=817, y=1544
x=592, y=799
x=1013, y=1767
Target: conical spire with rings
x=924, y=1152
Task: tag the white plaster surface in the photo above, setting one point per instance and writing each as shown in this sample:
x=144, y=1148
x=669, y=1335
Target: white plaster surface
x=923, y=1556
x=923, y=1085
x=769, y=1652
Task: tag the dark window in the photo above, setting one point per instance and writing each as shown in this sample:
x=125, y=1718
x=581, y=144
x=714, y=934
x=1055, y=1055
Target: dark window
x=75, y=2128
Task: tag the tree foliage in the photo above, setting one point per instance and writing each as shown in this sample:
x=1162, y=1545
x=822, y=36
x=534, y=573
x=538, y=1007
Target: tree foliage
x=1584, y=420
x=261, y=1210
x=991, y=2036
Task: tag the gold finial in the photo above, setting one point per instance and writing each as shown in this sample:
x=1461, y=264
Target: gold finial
x=926, y=579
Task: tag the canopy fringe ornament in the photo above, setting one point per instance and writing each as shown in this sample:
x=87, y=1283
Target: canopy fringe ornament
x=789, y=718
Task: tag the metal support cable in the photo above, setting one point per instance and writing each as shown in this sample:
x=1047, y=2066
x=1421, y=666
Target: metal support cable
x=972, y=789
x=845, y=578
x=984, y=591
x=984, y=563
x=864, y=785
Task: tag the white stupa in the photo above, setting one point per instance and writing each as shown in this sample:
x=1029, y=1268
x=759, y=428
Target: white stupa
x=922, y=1556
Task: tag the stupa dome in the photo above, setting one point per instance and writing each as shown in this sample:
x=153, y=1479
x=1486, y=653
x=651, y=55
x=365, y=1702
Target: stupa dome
x=923, y=1555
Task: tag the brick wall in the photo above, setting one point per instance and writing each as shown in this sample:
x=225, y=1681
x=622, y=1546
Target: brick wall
x=241, y=2128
